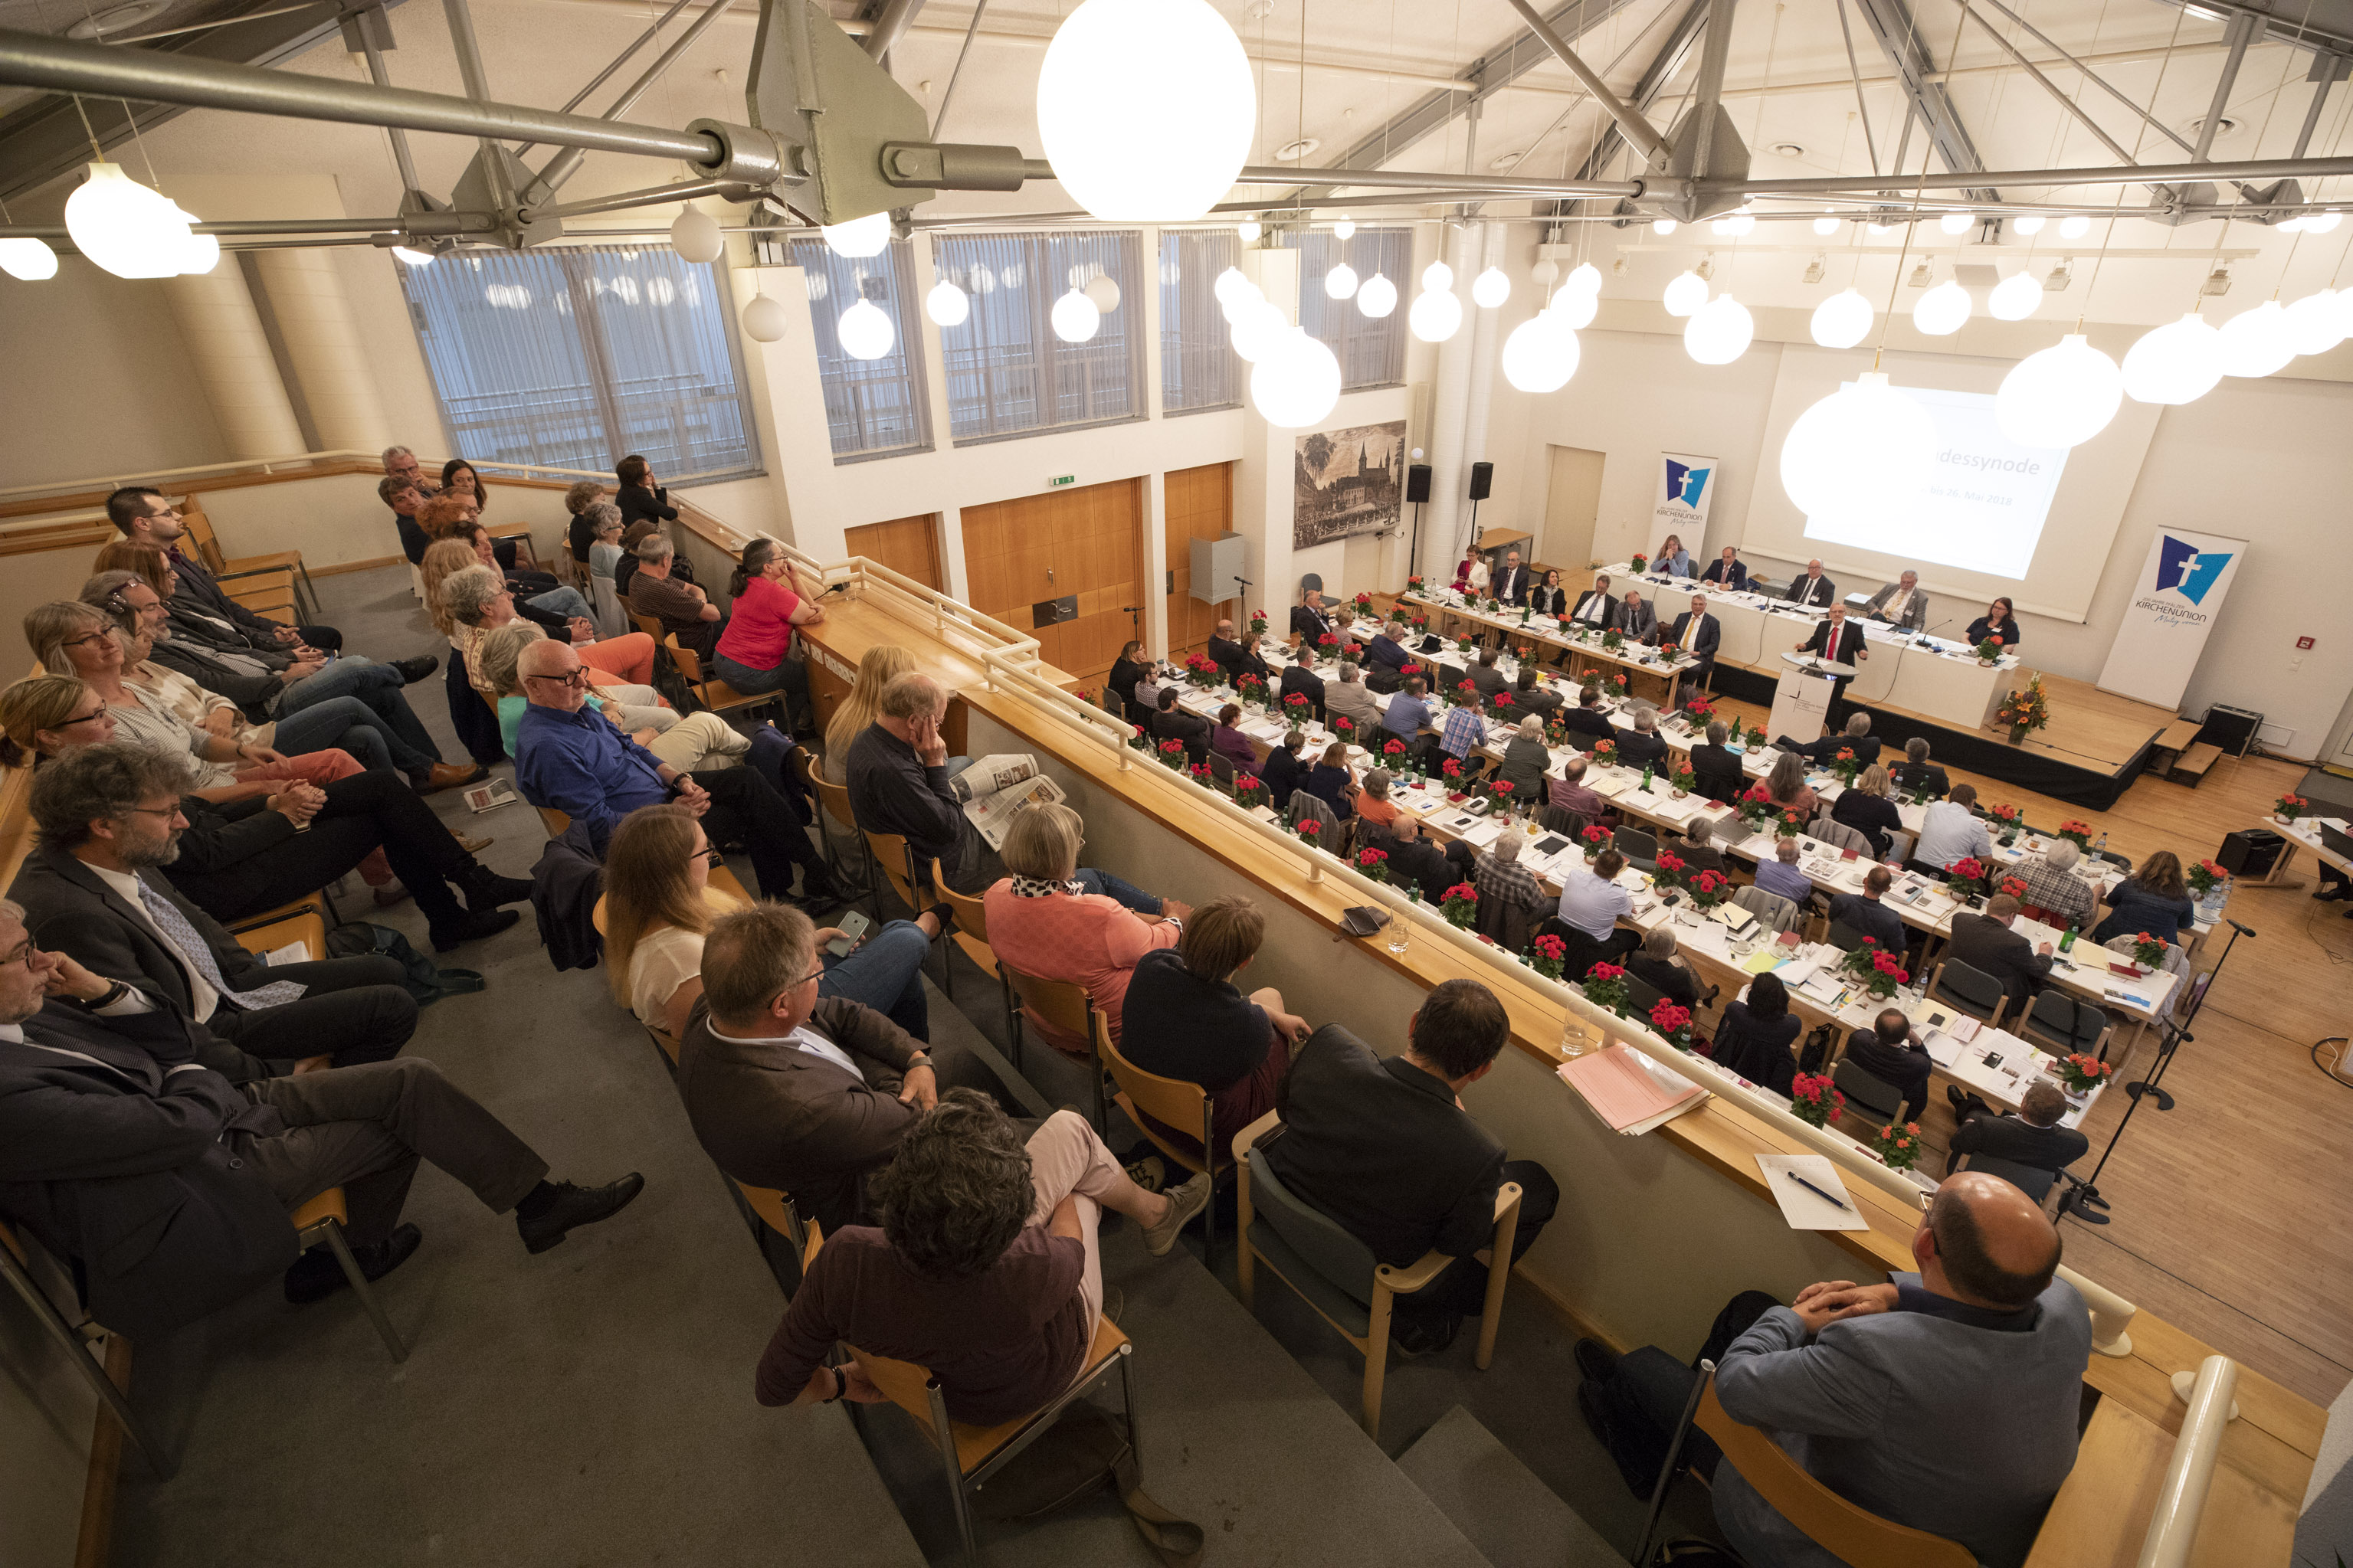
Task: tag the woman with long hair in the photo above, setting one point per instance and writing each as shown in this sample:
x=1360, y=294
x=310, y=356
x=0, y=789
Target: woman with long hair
x=1550, y=597
x=1756, y=1033
x=2155, y=899
x=458, y=478
x=659, y=903
x=1788, y=787
x=877, y=668
x=754, y=653
x=1330, y=780
x=1672, y=559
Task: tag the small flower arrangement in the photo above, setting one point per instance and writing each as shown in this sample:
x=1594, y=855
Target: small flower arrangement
x=1345, y=729
x=2024, y=711
x=1547, y=955
x=1466, y=692
x=1392, y=748
x=1898, y=1144
x=1172, y=755
x=1793, y=825
x=1452, y=769
x=1756, y=736
x=1201, y=775
x=1202, y=672
x=1618, y=677
x=1699, y=711
x=1879, y=973
x=1253, y=687
x=1365, y=601
x=1248, y=792
x=2079, y=834
x=1140, y=742
x=1258, y=621
x=1408, y=670
x=1327, y=640
x=1673, y=1022
x=1294, y=709
x=1989, y=649
x=1680, y=778
x=1605, y=755
x=1844, y=767
x=1597, y=839
x=1708, y=889
x=2015, y=888
x=1459, y=905
x=2083, y=1074
x=1814, y=1098
x=1756, y=807
x=2205, y=877
x=1638, y=564
x=2147, y=951
x=1503, y=701
x=1413, y=584
x=1419, y=623
x=1605, y=987
x=1374, y=864
x=1612, y=640
x=1965, y=878
x=1499, y=791
x=2288, y=808
x=1311, y=831
x=1671, y=870
x=2005, y=815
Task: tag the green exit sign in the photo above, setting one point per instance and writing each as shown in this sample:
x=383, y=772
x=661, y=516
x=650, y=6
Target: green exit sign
x=1062, y=480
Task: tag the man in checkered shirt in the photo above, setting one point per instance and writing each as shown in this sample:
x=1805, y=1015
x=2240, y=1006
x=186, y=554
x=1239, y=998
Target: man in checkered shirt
x=1500, y=875
x=2052, y=886
x=1464, y=728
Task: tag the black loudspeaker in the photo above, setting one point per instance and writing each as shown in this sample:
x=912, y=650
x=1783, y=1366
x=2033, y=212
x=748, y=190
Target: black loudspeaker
x=1483, y=481
x=2250, y=852
x=1416, y=483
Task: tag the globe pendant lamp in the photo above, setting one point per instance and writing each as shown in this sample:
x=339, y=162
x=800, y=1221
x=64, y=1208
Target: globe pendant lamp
x=2015, y=298
x=1942, y=310
x=1586, y=279
x=1297, y=384
x=1257, y=327
x=1574, y=307
x=28, y=260
x=1075, y=318
x=123, y=227
x=1490, y=289
x=1957, y=223
x=1842, y=321
x=1686, y=294
x=1545, y=273
x=694, y=235
x=1231, y=286
x=1540, y=354
x=947, y=305
x=1826, y=225
x=2178, y=362
x=1436, y=316
x=1864, y=451
x=1437, y=278
x=2343, y=306
x=1720, y=331
x=1250, y=229
x=765, y=320
x=2315, y=324
x=2061, y=396
x=864, y=331
x=2075, y=228
x=1103, y=293
x=2255, y=343
x=1340, y=283
x=1377, y=296
x=199, y=253
x=1232, y=306
x=1146, y=108
x=2029, y=224
x=1343, y=228
x=861, y=237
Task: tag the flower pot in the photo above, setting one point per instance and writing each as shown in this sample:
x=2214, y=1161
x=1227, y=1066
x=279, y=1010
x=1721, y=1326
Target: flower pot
x=1985, y=663
x=2017, y=733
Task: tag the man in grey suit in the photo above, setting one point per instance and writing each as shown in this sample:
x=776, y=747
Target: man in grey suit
x=1637, y=619
x=1349, y=698
x=1900, y=604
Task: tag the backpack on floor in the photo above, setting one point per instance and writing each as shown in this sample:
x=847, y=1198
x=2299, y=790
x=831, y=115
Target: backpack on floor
x=1816, y=1051
x=425, y=980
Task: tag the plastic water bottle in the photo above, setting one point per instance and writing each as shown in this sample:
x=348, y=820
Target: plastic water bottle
x=2100, y=850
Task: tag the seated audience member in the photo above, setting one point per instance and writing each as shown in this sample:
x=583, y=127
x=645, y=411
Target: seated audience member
x=1333, y=782
x=1866, y=808
x=445, y=512
x=1463, y=732
x=580, y=535
x=1672, y=560
x=1407, y=714
x=145, y=517
x=1985, y=942
x=2032, y=1138
x=1917, y=774
x=1224, y=649
x=1700, y=635
x=1549, y=597
x=1348, y=697
x=1951, y=830
x=1387, y=649
x=1526, y=759
x=479, y=602
x=1865, y=912
x=1899, y=602
x=458, y=478
x=1299, y=678
x=1645, y=748
x=696, y=742
x=1511, y=580
x=1227, y=739
x=1780, y=874
x=406, y=500
x=658, y=908
x=576, y=762
x=1758, y=1032
x=605, y=548
x=1499, y=877
x=240, y=859
x=1485, y=677
x=1811, y=588
x=1698, y=850
x=1891, y=1051
x=1418, y=860
x=1171, y=722
x=985, y=1269
x=1569, y=792
x=1947, y=1400
x=684, y=611
x=625, y=571
x=1597, y=606
x=641, y=499
x=1856, y=738
x=1155, y=679
x=2064, y=898
x=878, y=667
x=1050, y=925
x=1787, y=786
x=477, y=730
x=1588, y=718
x=1383, y=1148
x=533, y=591
x=170, y=1186
x=1591, y=904
x=1527, y=695
x=1470, y=575
x=1729, y=571
x=1187, y=1020
x=1284, y=768
x=754, y=652
x=1253, y=659
x=2153, y=899
x=1309, y=618
x=1131, y=665
x=1656, y=964
x=1998, y=624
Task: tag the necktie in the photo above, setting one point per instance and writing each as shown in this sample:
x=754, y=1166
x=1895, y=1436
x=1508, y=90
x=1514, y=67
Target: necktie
x=196, y=951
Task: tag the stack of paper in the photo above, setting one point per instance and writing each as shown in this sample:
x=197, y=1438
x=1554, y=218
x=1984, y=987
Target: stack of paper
x=1629, y=1091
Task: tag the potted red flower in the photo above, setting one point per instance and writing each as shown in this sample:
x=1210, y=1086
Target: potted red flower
x=2148, y=951
x=1605, y=755
x=1413, y=584
x=1881, y=974
x=1673, y=1022
x=1814, y=1098
x=1248, y=792
x=1294, y=709
x=1459, y=905
x=2083, y=1074
x=1898, y=1144
x=1547, y=955
x=1172, y=755
x=1990, y=650
x=1605, y=987
x=1844, y=767
x=1344, y=726
x=1964, y=880
x=2013, y=887
x=1258, y=622
x=1391, y=748
x=2079, y=834
x=1374, y=864
x=1708, y=889
x=1201, y=671
x=1670, y=868
x=1310, y=832
x=1597, y=839
x=1365, y=601
x=2288, y=808
x=1201, y=775
x=1252, y=688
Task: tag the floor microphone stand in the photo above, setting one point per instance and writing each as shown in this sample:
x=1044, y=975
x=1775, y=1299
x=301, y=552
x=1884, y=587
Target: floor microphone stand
x=2149, y=1086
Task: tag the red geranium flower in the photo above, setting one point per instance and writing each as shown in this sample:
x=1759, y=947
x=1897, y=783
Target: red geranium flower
x=1670, y=862
x=1394, y=749
x=1371, y=857
x=1309, y=827
x=1551, y=947
x=1452, y=769
x=1596, y=835
x=1604, y=972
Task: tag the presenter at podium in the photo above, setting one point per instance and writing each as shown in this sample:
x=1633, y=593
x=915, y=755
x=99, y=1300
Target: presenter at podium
x=1837, y=641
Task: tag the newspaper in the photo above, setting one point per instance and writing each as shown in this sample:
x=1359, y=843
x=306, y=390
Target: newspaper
x=994, y=788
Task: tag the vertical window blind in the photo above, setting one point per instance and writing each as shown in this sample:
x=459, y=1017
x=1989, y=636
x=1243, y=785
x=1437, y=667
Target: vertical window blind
x=873, y=408
x=573, y=357
x=1008, y=374
x=1371, y=352
x=1199, y=367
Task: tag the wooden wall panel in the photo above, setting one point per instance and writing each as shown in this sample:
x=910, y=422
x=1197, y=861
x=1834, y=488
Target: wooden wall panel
x=908, y=545
x=1201, y=505
x=1078, y=543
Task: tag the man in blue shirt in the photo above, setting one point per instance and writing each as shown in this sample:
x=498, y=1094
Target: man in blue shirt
x=581, y=763
x=1407, y=715
x=1386, y=651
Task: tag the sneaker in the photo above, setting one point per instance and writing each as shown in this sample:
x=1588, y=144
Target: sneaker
x=1183, y=1202
x=316, y=1274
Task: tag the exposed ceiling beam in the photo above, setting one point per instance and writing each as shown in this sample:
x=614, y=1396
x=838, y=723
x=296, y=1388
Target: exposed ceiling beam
x=1891, y=23
x=2323, y=25
x=1664, y=67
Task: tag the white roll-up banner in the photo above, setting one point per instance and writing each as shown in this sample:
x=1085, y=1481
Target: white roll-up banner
x=1687, y=490
x=2181, y=591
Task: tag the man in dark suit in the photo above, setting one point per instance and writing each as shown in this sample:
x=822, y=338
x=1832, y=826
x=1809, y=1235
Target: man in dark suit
x=1173, y=723
x=1728, y=570
x=1890, y=1052
x=1917, y=773
x=1986, y=942
x=1385, y=1150
x=1839, y=641
x=1587, y=718
x=170, y=1185
x=1637, y=619
x=1511, y=581
x=1812, y=589
x=1698, y=634
x=1300, y=676
x=1225, y=650
x=145, y=517
x=1308, y=619
x=1864, y=913
x=1643, y=747
x=1855, y=737
x=2032, y=1137
x=1484, y=678
x=1597, y=606
x=1385, y=653
x=1714, y=769
x=1528, y=697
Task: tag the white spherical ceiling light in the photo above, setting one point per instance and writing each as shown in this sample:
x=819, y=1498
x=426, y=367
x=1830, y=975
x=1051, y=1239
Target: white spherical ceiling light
x=1231, y=285
x=1719, y=331
x=765, y=320
x=1540, y=354
x=2015, y=298
x=413, y=258
x=2029, y=224
x=1957, y=223
x=694, y=235
x=1075, y=318
x=1340, y=283
x=1344, y=228
x=1490, y=289
x=28, y=260
x=2061, y=396
x=199, y=253
x=1864, y=451
x=861, y=237
x=1298, y=384
x=1574, y=307
x=1842, y=321
x=1146, y=108
x=2177, y=362
x=2315, y=324
x=1663, y=226
x=1686, y=294
x=1250, y=229
x=864, y=331
x=1102, y=292
x=1586, y=279
x=2074, y=227
x=1942, y=310
x=1437, y=276
x=1377, y=296
x=1735, y=223
x=1826, y=225
x=1545, y=273
x=1232, y=306
x=1258, y=327
x=123, y=227
x=947, y=305
x=1436, y=316
x=2255, y=343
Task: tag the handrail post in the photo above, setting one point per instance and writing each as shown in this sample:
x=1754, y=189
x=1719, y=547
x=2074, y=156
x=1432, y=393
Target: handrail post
x=2181, y=1499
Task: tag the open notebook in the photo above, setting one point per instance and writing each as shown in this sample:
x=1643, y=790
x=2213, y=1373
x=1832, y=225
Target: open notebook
x=1630, y=1091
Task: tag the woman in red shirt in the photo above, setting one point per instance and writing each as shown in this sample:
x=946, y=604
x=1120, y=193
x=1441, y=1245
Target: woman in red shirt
x=754, y=653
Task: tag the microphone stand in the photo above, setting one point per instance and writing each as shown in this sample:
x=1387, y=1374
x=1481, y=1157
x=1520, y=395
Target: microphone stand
x=2085, y=1196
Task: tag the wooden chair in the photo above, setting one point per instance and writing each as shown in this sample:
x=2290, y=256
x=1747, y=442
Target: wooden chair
x=716, y=695
x=71, y=1344
x=1338, y=1276
x=895, y=859
x=526, y=552
x=323, y=1219
x=970, y=933
x=200, y=530
x=650, y=624
x=1869, y=1097
x=1064, y=1005
x=969, y=1455
x=557, y=821
x=1172, y=1102
x=833, y=799
x=268, y=594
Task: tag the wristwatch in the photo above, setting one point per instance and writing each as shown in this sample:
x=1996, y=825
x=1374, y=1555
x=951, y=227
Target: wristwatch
x=919, y=1059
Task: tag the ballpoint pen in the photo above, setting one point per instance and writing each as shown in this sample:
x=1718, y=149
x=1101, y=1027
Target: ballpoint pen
x=1813, y=1189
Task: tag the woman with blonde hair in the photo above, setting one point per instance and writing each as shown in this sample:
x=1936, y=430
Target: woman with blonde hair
x=1867, y=809
x=479, y=602
x=877, y=668
x=659, y=903
x=692, y=743
x=478, y=731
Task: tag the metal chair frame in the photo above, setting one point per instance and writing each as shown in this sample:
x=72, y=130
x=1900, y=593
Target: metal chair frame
x=323, y=1219
x=53, y=1324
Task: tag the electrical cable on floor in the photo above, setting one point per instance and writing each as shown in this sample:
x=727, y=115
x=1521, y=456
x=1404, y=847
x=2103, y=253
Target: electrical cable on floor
x=2331, y=1072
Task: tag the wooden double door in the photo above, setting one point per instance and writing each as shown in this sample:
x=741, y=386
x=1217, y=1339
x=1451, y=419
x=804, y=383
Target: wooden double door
x=1082, y=548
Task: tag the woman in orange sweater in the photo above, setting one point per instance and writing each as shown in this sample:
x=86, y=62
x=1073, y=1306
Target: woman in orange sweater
x=1043, y=923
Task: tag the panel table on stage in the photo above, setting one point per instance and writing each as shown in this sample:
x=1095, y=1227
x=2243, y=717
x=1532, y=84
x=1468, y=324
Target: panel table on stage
x=1934, y=677
x=1648, y=672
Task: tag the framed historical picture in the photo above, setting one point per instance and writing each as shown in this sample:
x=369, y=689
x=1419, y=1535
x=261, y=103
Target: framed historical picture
x=1347, y=481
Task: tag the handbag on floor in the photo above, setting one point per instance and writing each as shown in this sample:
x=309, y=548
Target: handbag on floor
x=1081, y=1452
x=425, y=980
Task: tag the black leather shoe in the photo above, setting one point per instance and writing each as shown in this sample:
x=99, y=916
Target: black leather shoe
x=573, y=1208
x=486, y=890
x=472, y=925
x=1596, y=1362
x=317, y=1276
x=1419, y=1336
x=413, y=671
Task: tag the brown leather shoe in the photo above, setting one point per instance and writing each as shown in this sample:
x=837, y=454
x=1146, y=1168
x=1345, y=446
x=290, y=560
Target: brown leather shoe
x=449, y=776
x=472, y=845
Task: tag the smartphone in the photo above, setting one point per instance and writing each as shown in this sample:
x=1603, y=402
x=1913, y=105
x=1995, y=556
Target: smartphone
x=854, y=927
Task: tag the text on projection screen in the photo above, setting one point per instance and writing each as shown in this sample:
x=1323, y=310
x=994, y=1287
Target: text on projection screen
x=1986, y=501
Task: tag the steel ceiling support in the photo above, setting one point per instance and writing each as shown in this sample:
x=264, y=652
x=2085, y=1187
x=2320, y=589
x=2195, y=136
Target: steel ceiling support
x=2240, y=34
x=1707, y=91
x=1664, y=67
x=381, y=75
x=567, y=163
x=478, y=87
x=2327, y=71
x=1406, y=179
x=2046, y=84
x=895, y=18
x=2256, y=169
x=1639, y=132
x=1854, y=69
x=1891, y=25
x=2093, y=77
x=2323, y=25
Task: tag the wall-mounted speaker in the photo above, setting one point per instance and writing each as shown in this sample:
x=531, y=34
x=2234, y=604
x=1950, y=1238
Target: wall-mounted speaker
x=1416, y=483
x=1483, y=481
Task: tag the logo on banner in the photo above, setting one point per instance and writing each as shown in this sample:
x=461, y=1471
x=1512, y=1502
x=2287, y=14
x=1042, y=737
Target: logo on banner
x=2188, y=569
x=1685, y=483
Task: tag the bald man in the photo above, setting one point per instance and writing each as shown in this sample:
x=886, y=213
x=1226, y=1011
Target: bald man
x=1813, y=588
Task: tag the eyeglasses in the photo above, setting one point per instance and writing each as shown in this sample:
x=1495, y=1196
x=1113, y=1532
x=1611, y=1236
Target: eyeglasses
x=578, y=679
x=712, y=857
x=816, y=974
x=165, y=811
x=90, y=718
x=24, y=949
x=100, y=636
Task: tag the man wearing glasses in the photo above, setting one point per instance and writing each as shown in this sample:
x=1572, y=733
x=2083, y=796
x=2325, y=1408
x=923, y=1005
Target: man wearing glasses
x=574, y=759
x=171, y=1186
x=145, y=517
